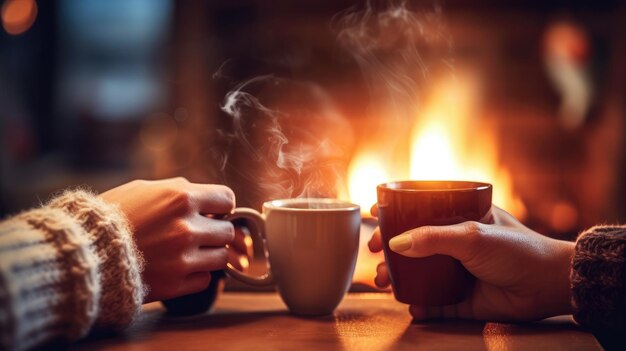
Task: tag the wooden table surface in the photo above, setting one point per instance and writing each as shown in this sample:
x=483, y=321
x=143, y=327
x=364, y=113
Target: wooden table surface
x=363, y=321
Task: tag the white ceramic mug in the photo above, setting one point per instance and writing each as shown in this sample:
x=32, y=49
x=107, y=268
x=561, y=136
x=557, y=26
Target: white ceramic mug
x=311, y=246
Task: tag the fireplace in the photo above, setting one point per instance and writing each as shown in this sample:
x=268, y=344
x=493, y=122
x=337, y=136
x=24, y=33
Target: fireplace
x=490, y=113
x=488, y=85
x=494, y=118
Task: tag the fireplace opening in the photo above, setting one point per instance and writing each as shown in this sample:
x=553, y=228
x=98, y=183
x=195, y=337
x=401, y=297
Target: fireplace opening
x=328, y=99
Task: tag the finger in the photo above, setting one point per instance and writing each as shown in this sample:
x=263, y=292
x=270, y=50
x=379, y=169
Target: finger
x=239, y=243
x=459, y=241
x=501, y=217
x=461, y=310
x=382, y=276
x=376, y=242
x=211, y=232
x=195, y=282
x=237, y=260
x=178, y=180
x=206, y=259
x=374, y=210
x=212, y=198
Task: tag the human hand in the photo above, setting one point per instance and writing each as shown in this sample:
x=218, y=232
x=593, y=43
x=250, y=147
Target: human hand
x=240, y=251
x=520, y=275
x=175, y=227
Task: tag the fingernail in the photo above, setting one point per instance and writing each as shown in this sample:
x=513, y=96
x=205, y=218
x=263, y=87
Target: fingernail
x=400, y=243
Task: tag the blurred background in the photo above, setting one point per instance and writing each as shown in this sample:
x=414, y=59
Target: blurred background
x=526, y=94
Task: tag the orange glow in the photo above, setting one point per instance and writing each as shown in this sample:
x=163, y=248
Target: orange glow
x=432, y=155
x=18, y=15
x=366, y=171
x=448, y=142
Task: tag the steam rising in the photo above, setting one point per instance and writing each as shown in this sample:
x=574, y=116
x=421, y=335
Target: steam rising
x=289, y=131
x=298, y=161
x=395, y=48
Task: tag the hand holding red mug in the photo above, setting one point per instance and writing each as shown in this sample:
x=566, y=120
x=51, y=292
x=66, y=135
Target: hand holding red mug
x=521, y=275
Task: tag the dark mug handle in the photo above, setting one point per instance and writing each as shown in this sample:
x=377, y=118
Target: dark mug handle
x=202, y=301
x=256, y=224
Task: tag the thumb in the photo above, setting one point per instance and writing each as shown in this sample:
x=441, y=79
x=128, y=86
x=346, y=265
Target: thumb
x=458, y=241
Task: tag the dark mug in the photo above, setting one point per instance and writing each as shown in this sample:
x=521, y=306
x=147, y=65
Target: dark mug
x=199, y=302
x=436, y=280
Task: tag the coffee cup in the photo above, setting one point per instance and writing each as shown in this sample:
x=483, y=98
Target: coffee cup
x=311, y=247
x=436, y=280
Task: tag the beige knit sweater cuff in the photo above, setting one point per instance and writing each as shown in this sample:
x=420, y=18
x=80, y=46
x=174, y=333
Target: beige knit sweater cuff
x=65, y=268
x=119, y=262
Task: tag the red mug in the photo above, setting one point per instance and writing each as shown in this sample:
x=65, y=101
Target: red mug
x=436, y=280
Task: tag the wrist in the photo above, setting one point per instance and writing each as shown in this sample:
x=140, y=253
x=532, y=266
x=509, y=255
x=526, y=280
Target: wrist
x=563, y=291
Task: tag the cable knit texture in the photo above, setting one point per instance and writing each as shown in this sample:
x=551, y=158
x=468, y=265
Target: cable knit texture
x=120, y=263
x=598, y=278
x=49, y=286
x=65, y=268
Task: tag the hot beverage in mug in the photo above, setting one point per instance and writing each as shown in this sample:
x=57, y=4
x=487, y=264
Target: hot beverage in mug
x=311, y=246
x=435, y=280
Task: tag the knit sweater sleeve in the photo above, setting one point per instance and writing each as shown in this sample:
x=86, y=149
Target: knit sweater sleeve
x=120, y=263
x=598, y=278
x=65, y=268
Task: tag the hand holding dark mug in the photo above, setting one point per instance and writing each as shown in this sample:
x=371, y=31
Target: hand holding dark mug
x=520, y=275
x=239, y=254
x=402, y=206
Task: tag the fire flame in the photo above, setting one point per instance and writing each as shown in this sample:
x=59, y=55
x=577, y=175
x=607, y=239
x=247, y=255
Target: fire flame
x=447, y=143
x=366, y=171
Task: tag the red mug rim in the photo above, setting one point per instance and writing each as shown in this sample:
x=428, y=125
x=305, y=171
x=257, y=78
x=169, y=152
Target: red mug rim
x=456, y=186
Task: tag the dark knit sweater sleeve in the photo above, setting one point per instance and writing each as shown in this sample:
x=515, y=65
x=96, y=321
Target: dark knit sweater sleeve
x=598, y=278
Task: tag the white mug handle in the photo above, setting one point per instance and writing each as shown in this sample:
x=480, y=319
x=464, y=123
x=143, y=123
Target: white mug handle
x=256, y=224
